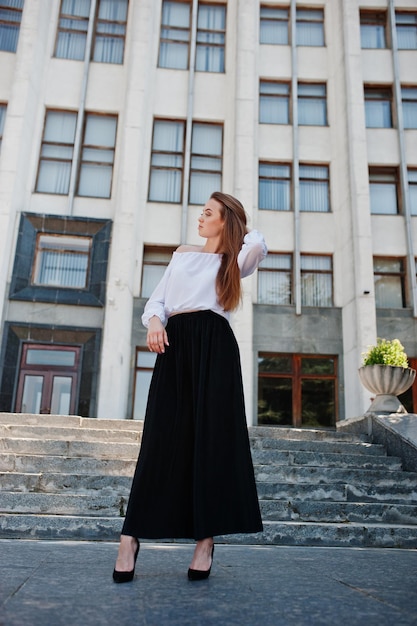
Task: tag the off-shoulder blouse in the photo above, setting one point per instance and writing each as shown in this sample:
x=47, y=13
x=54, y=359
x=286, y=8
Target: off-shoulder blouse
x=189, y=281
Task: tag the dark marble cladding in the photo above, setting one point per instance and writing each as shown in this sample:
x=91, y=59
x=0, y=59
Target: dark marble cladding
x=30, y=224
x=15, y=334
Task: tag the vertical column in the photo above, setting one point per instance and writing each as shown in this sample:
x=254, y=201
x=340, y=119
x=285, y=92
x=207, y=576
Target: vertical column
x=359, y=317
x=245, y=168
x=24, y=109
x=116, y=365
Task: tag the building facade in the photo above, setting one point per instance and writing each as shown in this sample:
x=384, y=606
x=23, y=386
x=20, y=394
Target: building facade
x=118, y=118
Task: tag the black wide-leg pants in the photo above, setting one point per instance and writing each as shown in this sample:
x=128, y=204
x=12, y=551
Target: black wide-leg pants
x=194, y=476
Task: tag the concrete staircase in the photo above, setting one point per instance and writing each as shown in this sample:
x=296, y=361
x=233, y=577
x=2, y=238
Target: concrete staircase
x=69, y=478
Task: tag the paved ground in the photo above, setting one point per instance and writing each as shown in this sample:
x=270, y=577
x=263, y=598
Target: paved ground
x=69, y=583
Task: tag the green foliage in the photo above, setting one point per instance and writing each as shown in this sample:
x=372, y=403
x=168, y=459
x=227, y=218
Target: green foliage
x=386, y=352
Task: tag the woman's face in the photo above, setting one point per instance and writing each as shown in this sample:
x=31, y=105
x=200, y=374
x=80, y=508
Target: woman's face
x=211, y=222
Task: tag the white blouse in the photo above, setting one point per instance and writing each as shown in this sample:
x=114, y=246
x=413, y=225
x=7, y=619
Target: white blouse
x=189, y=281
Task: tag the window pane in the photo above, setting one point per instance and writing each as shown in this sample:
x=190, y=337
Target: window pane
x=275, y=364
x=312, y=105
x=412, y=191
x=314, y=189
x=72, y=29
x=110, y=31
x=10, y=18
x=318, y=406
x=383, y=198
x=210, y=38
x=61, y=358
x=97, y=156
x=317, y=366
x=32, y=394
x=373, y=36
x=310, y=31
x=378, y=114
x=406, y=30
x=316, y=281
x=275, y=401
x=167, y=162
x=56, y=152
x=409, y=100
x=274, y=187
x=175, y=35
x=274, y=25
x=3, y=109
x=274, y=280
x=61, y=395
x=389, y=283
x=274, y=103
x=62, y=261
x=207, y=140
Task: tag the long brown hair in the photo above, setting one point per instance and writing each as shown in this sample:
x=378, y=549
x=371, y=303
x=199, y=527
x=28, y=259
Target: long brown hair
x=228, y=284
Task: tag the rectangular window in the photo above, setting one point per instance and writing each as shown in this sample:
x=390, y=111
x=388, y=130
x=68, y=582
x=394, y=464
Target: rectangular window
x=274, y=279
x=145, y=362
x=97, y=156
x=10, y=19
x=274, y=102
x=211, y=34
x=167, y=161
x=155, y=261
x=206, y=161
x=109, y=30
x=409, y=100
x=274, y=25
x=389, y=279
x=373, y=29
x=316, y=280
x=383, y=189
x=72, y=29
x=310, y=27
x=406, y=25
x=62, y=261
x=56, y=152
x=312, y=104
x=378, y=107
x=314, y=188
x=297, y=390
x=412, y=190
x=3, y=109
x=274, y=186
x=175, y=35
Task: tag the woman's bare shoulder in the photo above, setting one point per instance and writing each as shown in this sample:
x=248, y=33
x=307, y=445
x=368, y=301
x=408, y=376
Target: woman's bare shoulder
x=189, y=248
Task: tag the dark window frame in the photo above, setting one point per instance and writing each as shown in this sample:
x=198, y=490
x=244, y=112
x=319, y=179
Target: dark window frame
x=375, y=18
x=21, y=287
x=401, y=274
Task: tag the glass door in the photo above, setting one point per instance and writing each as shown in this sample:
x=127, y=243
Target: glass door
x=48, y=379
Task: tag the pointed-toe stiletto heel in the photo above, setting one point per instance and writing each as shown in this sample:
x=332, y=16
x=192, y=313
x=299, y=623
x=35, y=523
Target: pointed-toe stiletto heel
x=198, y=574
x=126, y=577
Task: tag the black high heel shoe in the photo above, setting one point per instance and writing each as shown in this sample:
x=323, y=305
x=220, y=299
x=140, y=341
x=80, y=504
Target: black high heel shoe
x=198, y=574
x=126, y=577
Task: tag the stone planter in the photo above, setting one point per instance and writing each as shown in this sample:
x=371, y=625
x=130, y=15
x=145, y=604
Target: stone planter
x=386, y=382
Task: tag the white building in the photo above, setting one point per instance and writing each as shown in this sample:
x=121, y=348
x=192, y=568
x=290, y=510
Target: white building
x=118, y=118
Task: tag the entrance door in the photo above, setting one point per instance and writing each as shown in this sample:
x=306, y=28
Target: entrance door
x=48, y=379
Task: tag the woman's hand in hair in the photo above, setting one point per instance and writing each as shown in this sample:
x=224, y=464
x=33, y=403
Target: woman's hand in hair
x=157, y=337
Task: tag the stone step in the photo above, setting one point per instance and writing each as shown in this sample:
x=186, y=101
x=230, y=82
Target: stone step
x=67, y=421
x=27, y=463
x=273, y=510
x=361, y=535
x=23, y=431
x=326, y=459
x=276, y=510
x=305, y=434
x=325, y=476
x=120, y=485
x=334, y=447
x=73, y=448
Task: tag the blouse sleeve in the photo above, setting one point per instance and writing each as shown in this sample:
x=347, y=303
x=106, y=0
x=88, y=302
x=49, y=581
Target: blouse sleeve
x=253, y=251
x=156, y=303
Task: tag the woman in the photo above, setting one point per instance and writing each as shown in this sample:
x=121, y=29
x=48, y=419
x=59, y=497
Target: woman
x=194, y=477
